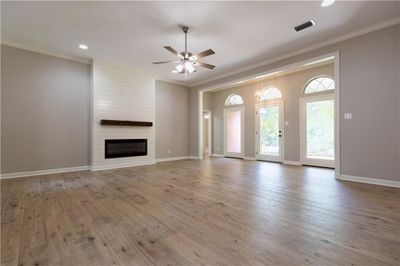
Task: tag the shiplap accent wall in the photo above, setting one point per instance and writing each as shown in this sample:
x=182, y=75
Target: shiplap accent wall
x=121, y=94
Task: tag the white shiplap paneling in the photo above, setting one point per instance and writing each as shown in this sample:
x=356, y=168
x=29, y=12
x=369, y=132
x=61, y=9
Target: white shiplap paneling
x=121, y=94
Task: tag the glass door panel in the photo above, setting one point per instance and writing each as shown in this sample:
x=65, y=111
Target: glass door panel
x=270, y=143
x=317, y=125
x=320, y=130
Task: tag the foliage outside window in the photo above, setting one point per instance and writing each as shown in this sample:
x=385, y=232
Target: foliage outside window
x=269, y=130
x=320, y=130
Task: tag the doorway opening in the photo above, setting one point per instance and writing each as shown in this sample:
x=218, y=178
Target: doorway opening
x=207, y=133
x=234, y=127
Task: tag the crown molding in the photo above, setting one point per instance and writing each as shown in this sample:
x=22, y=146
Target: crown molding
x=46, y=52
x=363, y=31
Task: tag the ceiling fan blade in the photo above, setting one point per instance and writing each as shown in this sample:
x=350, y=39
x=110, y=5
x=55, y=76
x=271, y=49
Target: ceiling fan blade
x=165, y=62
x=172, y=50
x=204, y=53
x=204, y=65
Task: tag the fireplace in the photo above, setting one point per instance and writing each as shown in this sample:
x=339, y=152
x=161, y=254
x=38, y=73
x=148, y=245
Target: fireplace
x=117, y=148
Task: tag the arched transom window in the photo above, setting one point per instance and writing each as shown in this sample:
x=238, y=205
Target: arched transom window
x=233, y=99
x=318, y=84
x=269, y=94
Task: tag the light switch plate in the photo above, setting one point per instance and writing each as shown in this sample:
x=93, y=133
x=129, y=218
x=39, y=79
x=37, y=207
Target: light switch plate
x=348, y=116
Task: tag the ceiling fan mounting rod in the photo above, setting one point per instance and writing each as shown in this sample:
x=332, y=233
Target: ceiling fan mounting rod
x=185, y=30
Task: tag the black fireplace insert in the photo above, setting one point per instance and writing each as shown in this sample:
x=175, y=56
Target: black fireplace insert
x=117, y=148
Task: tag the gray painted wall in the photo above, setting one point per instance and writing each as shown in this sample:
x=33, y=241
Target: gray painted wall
x=369, y=85
x=172, y=120
x=291, y=87
x=45, y=107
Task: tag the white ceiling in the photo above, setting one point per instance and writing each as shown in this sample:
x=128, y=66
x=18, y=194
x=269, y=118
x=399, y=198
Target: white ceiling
x=132, y=34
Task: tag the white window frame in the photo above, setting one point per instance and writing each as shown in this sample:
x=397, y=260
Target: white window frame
x=318, y=92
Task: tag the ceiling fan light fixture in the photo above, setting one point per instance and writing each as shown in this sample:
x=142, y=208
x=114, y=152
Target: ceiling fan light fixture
x=179, y=67
x=187, y=60
x=189, y=67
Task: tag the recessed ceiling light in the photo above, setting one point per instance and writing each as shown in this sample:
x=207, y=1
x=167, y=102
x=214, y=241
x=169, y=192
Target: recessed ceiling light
x=327, y=3
x=83, y=46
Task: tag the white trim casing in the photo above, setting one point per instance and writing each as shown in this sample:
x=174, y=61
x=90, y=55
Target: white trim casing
x=200, y=125
x=45, y=172
x=337, y=113
x=367, y=180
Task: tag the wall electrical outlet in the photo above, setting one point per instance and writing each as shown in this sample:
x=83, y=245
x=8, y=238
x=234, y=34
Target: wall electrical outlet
x=348, y=116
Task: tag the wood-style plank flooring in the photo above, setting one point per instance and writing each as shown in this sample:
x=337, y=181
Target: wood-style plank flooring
x=216, y=211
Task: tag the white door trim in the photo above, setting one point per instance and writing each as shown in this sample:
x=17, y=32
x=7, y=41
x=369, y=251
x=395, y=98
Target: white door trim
x=303, y=148
x=258, y=106
x=229, y=109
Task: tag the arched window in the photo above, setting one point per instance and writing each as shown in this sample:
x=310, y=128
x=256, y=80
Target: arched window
x=233, y=99
x=269, y=94
x=318, y=84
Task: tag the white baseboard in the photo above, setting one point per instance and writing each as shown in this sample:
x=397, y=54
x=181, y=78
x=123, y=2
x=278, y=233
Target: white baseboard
x=175, y=159
x=249, y=158
x=44, y=172
x=367, y=180
x=217, y=155
x=296, y=163
x=114, y=166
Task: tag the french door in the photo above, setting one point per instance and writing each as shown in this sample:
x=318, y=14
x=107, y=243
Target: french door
x=269, y=131
x=234, y=132
x=317, y=130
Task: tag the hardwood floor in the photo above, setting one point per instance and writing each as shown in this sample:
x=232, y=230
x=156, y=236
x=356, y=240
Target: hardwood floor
x=217, y=211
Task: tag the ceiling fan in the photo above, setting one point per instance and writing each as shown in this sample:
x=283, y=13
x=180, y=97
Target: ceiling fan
x=187, y=61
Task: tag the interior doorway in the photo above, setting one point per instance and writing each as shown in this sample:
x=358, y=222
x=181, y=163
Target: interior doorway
x=207, y=133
